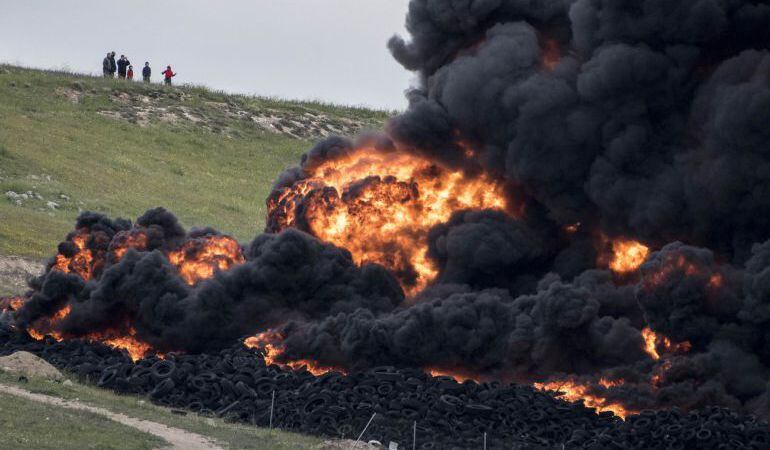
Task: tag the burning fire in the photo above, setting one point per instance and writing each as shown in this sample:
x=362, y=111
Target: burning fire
x=125, y=240
x=650, y=343
x=551, y=54
x=127, y=341
x=198, y=258
x=458, y=376
x=627, y=256
x=271, y=351
x=572, y=228
x=11, y=303
x=573, y=391
x=680, y=265
x=82, y=262
x=380, y=207
x=47, y=325
x=716, y=280
x=136, y=349
x=660, y=371
x=653, y=341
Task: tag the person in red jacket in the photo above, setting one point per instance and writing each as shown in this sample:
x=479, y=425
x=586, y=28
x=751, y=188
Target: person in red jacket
x=167, y=75
x=130, y=74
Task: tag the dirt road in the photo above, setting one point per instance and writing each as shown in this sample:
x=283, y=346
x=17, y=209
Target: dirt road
x=177, y=438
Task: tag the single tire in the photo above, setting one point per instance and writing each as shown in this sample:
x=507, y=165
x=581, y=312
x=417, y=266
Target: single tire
x=162, y=389
x=163, y=369
x=703, y=434
x=108, y=376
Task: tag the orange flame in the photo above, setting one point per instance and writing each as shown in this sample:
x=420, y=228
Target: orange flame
x=125, y=240
x=572, y=228
x=198, y=258
x=660, y=371
x=136, y=349
x=551, y=54
x=653, y=341
x=680, y=265
x=380, y=207
x=82, y=262
x=458, y=375
x=716, y=280
x=11, y=303
x=47, y=327
x=573, y=391
x=628, y=256
x=267, y=343
x=650, y=343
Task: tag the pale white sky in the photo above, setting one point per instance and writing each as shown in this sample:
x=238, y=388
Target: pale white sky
x=331, y=50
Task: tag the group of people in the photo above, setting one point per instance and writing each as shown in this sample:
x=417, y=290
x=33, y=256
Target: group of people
x=125, y=70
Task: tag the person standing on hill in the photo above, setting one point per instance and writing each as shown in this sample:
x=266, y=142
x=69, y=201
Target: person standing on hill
x=130, y=73
x=146, y=72
x=107, y=66
x=123, y=64
x=167, y=75
x=113, y=65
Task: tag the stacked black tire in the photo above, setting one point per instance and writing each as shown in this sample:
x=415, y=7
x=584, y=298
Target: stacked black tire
x=237, y=385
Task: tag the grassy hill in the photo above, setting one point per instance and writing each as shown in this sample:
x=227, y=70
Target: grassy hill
x=71, y=143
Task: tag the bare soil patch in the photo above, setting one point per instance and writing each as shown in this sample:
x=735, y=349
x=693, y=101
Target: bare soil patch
x=27, y=364
x=15, y=272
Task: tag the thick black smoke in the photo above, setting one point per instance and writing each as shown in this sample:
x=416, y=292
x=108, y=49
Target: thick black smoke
x=560, y=328
x=488, y=249
x=285, y=276
x=53, y=290
x=644, y=119
x=652, y=121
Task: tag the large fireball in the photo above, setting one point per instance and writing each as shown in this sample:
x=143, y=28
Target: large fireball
x=380, y=206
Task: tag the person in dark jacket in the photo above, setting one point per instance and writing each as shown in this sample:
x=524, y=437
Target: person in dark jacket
x=113, y=65
x=167, y=75
x=146, y=72
x=107, y=66
x=123, y=64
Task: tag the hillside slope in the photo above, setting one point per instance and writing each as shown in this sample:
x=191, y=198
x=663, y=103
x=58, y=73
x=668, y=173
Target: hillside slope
x=70, y=143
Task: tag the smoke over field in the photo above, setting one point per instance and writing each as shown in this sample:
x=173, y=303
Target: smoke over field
x=577, y=197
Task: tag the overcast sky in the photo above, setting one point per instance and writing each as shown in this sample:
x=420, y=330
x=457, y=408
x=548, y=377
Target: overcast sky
x=331, y=50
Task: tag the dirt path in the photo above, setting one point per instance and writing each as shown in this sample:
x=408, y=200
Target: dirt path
x=177, y=438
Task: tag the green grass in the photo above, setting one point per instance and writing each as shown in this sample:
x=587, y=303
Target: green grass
x=231, y=436
x=55, y=148
x=27, y=424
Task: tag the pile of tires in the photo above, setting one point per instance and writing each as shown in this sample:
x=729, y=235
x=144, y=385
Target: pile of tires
x=237, y=385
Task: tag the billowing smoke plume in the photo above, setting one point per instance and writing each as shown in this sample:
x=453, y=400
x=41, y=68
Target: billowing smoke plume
x=477, y=235
x=144, y=295
x=557, y=329
x=647, y=117
x=606, y=120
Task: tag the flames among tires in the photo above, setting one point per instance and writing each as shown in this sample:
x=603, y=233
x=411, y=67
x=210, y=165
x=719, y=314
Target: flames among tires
x=566, y=203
